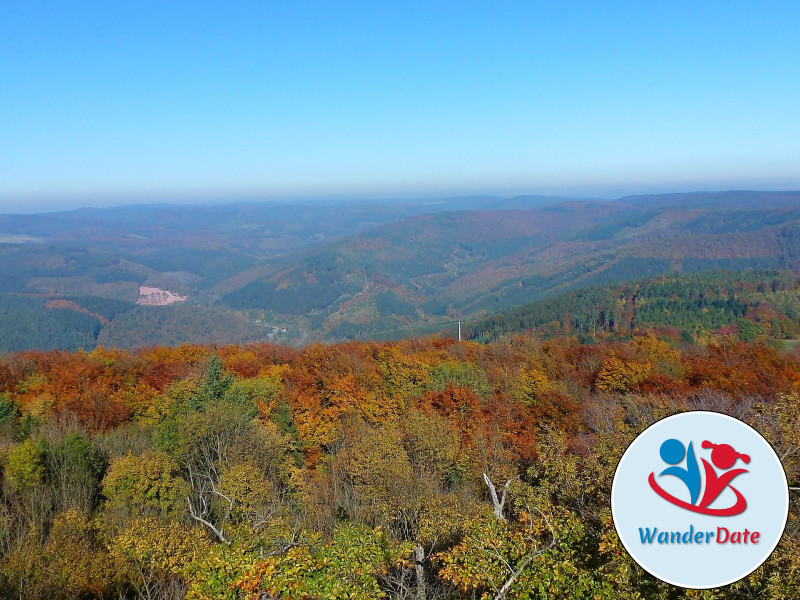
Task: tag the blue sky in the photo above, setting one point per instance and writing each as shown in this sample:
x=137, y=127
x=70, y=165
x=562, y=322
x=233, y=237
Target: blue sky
x=114, y=102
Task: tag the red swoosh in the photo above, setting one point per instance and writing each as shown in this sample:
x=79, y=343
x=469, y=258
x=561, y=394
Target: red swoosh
x=737, y=508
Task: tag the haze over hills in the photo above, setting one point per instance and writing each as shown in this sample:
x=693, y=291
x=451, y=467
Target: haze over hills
x=340, y=270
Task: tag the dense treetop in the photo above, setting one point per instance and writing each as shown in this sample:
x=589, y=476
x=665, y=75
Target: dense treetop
x=357, y=470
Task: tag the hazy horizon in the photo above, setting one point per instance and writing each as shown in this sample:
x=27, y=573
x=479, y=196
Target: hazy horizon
x=44, y=206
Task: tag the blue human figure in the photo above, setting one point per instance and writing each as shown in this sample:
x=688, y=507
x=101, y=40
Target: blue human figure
x=672, y=452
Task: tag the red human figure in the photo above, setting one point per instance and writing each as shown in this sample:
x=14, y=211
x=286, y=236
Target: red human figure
x=724, y=457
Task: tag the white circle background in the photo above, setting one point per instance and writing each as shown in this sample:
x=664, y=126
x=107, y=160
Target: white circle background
x=635, y=505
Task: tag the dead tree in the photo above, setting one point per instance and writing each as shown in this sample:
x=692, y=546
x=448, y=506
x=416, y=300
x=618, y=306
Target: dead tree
x=419, y=570
x=498, y=503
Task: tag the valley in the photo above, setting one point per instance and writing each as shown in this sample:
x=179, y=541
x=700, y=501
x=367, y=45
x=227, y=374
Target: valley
x=333, y=272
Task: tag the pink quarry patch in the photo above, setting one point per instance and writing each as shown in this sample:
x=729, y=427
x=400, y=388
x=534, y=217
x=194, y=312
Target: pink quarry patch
x=150, y=296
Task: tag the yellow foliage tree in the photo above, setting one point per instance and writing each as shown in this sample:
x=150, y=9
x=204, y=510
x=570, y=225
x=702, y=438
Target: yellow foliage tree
x=146, y=484
x=621, y=376
x=156, y=553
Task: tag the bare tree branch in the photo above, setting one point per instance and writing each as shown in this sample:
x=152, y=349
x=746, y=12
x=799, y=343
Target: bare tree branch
x=501, y=594
x=789, y=451
x=282, y=550
x=214, y=490
x=200, y=519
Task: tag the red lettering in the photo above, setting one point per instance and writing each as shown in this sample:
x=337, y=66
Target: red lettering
x=736, y=537
x=720, y=539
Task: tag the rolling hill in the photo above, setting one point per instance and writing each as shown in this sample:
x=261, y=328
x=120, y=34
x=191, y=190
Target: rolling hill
x=332, y=271
x=436, y=268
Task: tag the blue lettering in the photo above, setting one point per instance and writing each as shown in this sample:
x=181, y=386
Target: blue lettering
x=649, y=535
x=647, y=538
x=687, y=537
x=722, y=535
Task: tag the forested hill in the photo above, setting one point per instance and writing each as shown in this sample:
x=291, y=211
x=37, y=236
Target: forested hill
x=336, y=271
x=747, y=304
x=438, y=268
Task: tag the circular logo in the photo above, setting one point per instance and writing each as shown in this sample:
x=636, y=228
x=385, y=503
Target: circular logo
x=700, y=499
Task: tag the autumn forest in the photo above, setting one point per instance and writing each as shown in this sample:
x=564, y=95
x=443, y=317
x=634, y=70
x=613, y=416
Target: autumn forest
x=426, y=469
x=394, y=301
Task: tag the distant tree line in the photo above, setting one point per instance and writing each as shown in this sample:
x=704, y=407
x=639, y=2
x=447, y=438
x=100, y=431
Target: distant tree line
x=745, y=304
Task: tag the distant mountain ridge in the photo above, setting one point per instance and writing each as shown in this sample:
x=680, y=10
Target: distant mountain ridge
x=336, y=271
x=747, y=199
